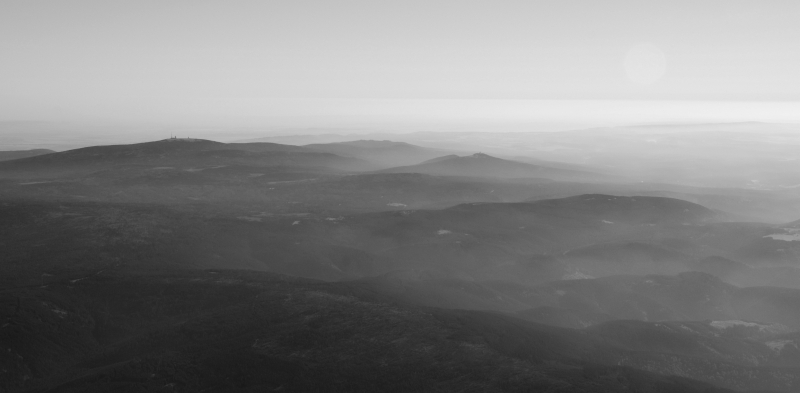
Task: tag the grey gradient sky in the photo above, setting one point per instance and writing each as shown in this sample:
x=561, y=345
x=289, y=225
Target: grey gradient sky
x=195, y=61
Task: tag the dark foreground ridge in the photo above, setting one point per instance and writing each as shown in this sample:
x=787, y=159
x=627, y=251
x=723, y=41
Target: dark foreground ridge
x=239, y=331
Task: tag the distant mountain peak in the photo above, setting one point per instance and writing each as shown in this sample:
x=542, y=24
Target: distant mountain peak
x=385, y=153
x=484, y=165
x=456, y=158
x=371, y=144
x=176, y=139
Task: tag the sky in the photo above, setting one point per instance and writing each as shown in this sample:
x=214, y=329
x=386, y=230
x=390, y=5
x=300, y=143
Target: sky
x=252, y=63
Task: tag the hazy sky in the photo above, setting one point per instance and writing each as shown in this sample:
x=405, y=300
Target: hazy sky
x=196, y=61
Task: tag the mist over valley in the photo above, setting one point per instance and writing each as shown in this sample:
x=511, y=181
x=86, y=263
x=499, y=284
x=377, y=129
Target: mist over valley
x=136, y=265
x=418, y=196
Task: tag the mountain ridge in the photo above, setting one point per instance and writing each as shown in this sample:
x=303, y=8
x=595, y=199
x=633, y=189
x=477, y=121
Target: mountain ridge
x=484, y=165
x=186, y=152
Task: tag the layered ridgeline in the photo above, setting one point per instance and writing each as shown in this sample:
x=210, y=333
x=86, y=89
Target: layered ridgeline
x=250, y=176
x=750, y=155
x=187, y=154
x=284, y=178
x=184, y=265
x=384, y=153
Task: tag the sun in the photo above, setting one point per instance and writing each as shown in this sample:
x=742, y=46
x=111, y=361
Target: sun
x=645, y=64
